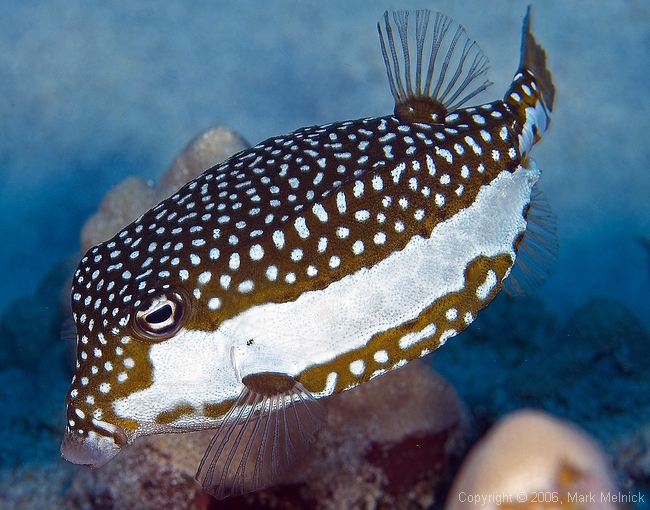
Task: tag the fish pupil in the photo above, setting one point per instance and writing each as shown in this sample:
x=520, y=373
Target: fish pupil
x=161, y=315
x=422, y=109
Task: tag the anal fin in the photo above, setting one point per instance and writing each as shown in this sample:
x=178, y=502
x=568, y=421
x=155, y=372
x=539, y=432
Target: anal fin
x=269, y=428
x=537, y=252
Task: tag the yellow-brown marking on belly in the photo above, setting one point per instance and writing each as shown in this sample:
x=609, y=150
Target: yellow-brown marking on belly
x=167, y=417
x=465, y=301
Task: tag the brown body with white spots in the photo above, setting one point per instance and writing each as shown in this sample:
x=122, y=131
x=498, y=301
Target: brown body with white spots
x=303, y=267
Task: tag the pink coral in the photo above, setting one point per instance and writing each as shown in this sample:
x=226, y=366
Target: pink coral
x=531, y=459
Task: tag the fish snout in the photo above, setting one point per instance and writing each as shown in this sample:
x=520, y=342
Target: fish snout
x=93, y=449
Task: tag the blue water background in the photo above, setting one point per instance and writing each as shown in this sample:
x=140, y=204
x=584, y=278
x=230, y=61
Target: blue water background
x=92, y=93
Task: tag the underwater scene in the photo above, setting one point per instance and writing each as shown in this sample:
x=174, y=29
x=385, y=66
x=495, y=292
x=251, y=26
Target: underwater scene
x=306, y=255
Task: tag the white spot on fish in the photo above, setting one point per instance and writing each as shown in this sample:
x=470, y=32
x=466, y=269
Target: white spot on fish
x=483, y=290
x=357, y=367
x=301, y=227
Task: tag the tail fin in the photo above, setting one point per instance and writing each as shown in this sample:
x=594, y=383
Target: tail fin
x=533, y=58
x=532, y=93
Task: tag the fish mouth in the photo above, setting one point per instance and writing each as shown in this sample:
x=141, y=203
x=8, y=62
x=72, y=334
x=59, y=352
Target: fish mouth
x=94, y=449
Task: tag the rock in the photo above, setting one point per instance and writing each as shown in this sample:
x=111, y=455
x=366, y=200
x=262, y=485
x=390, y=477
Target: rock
x=531, y=459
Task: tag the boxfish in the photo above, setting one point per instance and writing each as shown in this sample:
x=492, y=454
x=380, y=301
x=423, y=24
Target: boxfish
x=314, y=262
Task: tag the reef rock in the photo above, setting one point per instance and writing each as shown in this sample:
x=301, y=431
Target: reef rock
x=135, y=196
x=632, y=459
x=531, y=459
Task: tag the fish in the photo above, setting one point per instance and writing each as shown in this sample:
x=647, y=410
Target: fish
x=314, y=262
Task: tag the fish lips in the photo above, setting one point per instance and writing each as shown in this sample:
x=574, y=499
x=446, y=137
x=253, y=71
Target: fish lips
x=92, y=450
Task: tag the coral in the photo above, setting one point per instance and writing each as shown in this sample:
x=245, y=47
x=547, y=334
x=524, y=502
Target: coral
x=147, y=475
x=206, y=150
x=592, y=371
x=531, y=459
x=390, y=443
x=33, y=487
x=134, y=196
x=35, y=371
x=608, y=327
x=120, y=206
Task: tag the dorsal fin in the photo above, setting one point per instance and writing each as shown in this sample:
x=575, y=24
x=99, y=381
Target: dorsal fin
x=533, y=58
x=267, y=430
x=456, y=69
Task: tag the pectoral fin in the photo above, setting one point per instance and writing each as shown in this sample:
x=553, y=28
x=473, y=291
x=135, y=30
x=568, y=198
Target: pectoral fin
x=537, y=253
x=269, y=428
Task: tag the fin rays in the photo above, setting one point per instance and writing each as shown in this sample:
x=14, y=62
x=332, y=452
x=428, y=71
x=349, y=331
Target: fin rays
x=261, y=436
x=533, y=58
x=461, y=54
x=537, y=253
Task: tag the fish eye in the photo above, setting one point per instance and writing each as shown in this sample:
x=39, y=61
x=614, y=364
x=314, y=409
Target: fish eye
x=160, y=316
